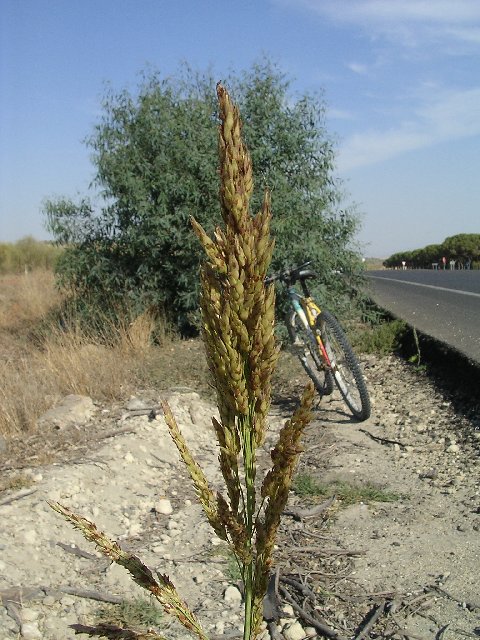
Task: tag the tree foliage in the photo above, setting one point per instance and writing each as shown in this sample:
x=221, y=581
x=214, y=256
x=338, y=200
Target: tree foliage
x=155, y=154
x=464, y=248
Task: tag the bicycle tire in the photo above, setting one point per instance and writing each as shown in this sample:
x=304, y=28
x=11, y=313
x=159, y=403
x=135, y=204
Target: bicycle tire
x=346, y=369
x=305, y=344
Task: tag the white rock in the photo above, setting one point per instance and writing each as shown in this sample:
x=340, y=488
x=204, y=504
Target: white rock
x=30, y=536
x=294, y=631
x=288, y=610
x=29, y=615
x=30, y=631
x=164, y=506
x=128, y=457
x=135, y=529
x=453, y=448
x=311, y=632
x=220, y=627
x=135, y=404
x=232, y=595
x=71, y=410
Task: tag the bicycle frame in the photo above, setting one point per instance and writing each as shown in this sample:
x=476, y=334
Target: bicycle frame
x=308, y=312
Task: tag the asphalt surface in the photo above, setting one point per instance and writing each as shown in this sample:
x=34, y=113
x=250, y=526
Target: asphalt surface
x=442, y=304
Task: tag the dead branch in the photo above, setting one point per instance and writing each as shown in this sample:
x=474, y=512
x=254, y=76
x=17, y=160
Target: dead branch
x=22, y=494
x=382, y=440
x=91, y=595
x=370, y=620
x=320, y=626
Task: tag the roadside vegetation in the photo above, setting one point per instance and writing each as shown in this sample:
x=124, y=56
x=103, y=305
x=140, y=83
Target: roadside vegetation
x=102, y=310
x=463, y=249
x=28, y=254
x=44, y=354
x=347, y=493
x=154, y=153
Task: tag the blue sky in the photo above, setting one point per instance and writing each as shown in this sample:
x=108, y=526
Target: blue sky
x=400, y=78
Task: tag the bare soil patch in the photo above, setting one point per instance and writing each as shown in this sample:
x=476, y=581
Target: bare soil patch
x=401, y=569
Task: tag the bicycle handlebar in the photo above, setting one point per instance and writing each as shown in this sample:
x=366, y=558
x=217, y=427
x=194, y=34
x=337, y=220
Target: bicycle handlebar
x=292, y=275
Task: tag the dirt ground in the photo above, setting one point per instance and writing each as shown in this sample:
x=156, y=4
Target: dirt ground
x=402, y=563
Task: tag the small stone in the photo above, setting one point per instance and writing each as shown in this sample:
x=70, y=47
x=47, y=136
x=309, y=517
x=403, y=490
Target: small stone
x=430, y=474
x=310, y=632
x=29, y=615
x=129, y=457
x=164, y=506
x=453, y=448
x=30, y=631
x=232, y=595
x=49, y=601
x=135, y=404
x=288, y=610
x=294, y=631
x=220, y=627
x=67, y=601
x=30, y=536
x=135, y=529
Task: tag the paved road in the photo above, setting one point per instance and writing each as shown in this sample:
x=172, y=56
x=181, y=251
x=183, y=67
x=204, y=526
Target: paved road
x=442, y=304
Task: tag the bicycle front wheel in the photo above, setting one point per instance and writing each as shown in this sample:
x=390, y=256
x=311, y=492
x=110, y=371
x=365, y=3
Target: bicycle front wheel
x=304, y=344
x=345, y=367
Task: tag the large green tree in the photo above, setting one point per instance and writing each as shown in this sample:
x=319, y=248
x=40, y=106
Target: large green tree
x=155, y=153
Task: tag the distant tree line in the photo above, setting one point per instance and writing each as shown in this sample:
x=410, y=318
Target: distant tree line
x=463, y=248
x=28, y=254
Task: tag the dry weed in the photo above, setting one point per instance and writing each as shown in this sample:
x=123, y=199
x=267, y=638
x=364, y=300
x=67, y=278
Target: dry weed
x=26, y=298
x=62, y=359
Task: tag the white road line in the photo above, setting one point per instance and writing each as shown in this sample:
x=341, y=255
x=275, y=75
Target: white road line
x=428, y=286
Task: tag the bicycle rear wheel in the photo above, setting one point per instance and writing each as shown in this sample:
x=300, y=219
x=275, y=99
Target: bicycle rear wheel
x=345, y=367
x=306, y=349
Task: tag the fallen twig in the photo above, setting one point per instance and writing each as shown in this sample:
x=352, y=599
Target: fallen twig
x=471, y=606
x=383, y=440
x=91, y=595
x=320, y=626
x=370, y=620
x=23, y=494
x=329, y=552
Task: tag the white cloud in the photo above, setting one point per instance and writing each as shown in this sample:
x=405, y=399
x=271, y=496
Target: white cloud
x=410, y=23
x=453, y=115
x=340, y=114
x=357, y=67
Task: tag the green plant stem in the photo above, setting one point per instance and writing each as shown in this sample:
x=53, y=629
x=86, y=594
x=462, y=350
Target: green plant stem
x=248, y=437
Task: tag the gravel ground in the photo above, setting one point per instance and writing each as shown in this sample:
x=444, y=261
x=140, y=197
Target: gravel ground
x=415, y=559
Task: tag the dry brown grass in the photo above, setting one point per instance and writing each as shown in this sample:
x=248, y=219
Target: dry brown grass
x=26, y=298
x=36, y=373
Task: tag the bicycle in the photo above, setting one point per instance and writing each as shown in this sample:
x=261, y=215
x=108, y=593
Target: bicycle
x=321, y=344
